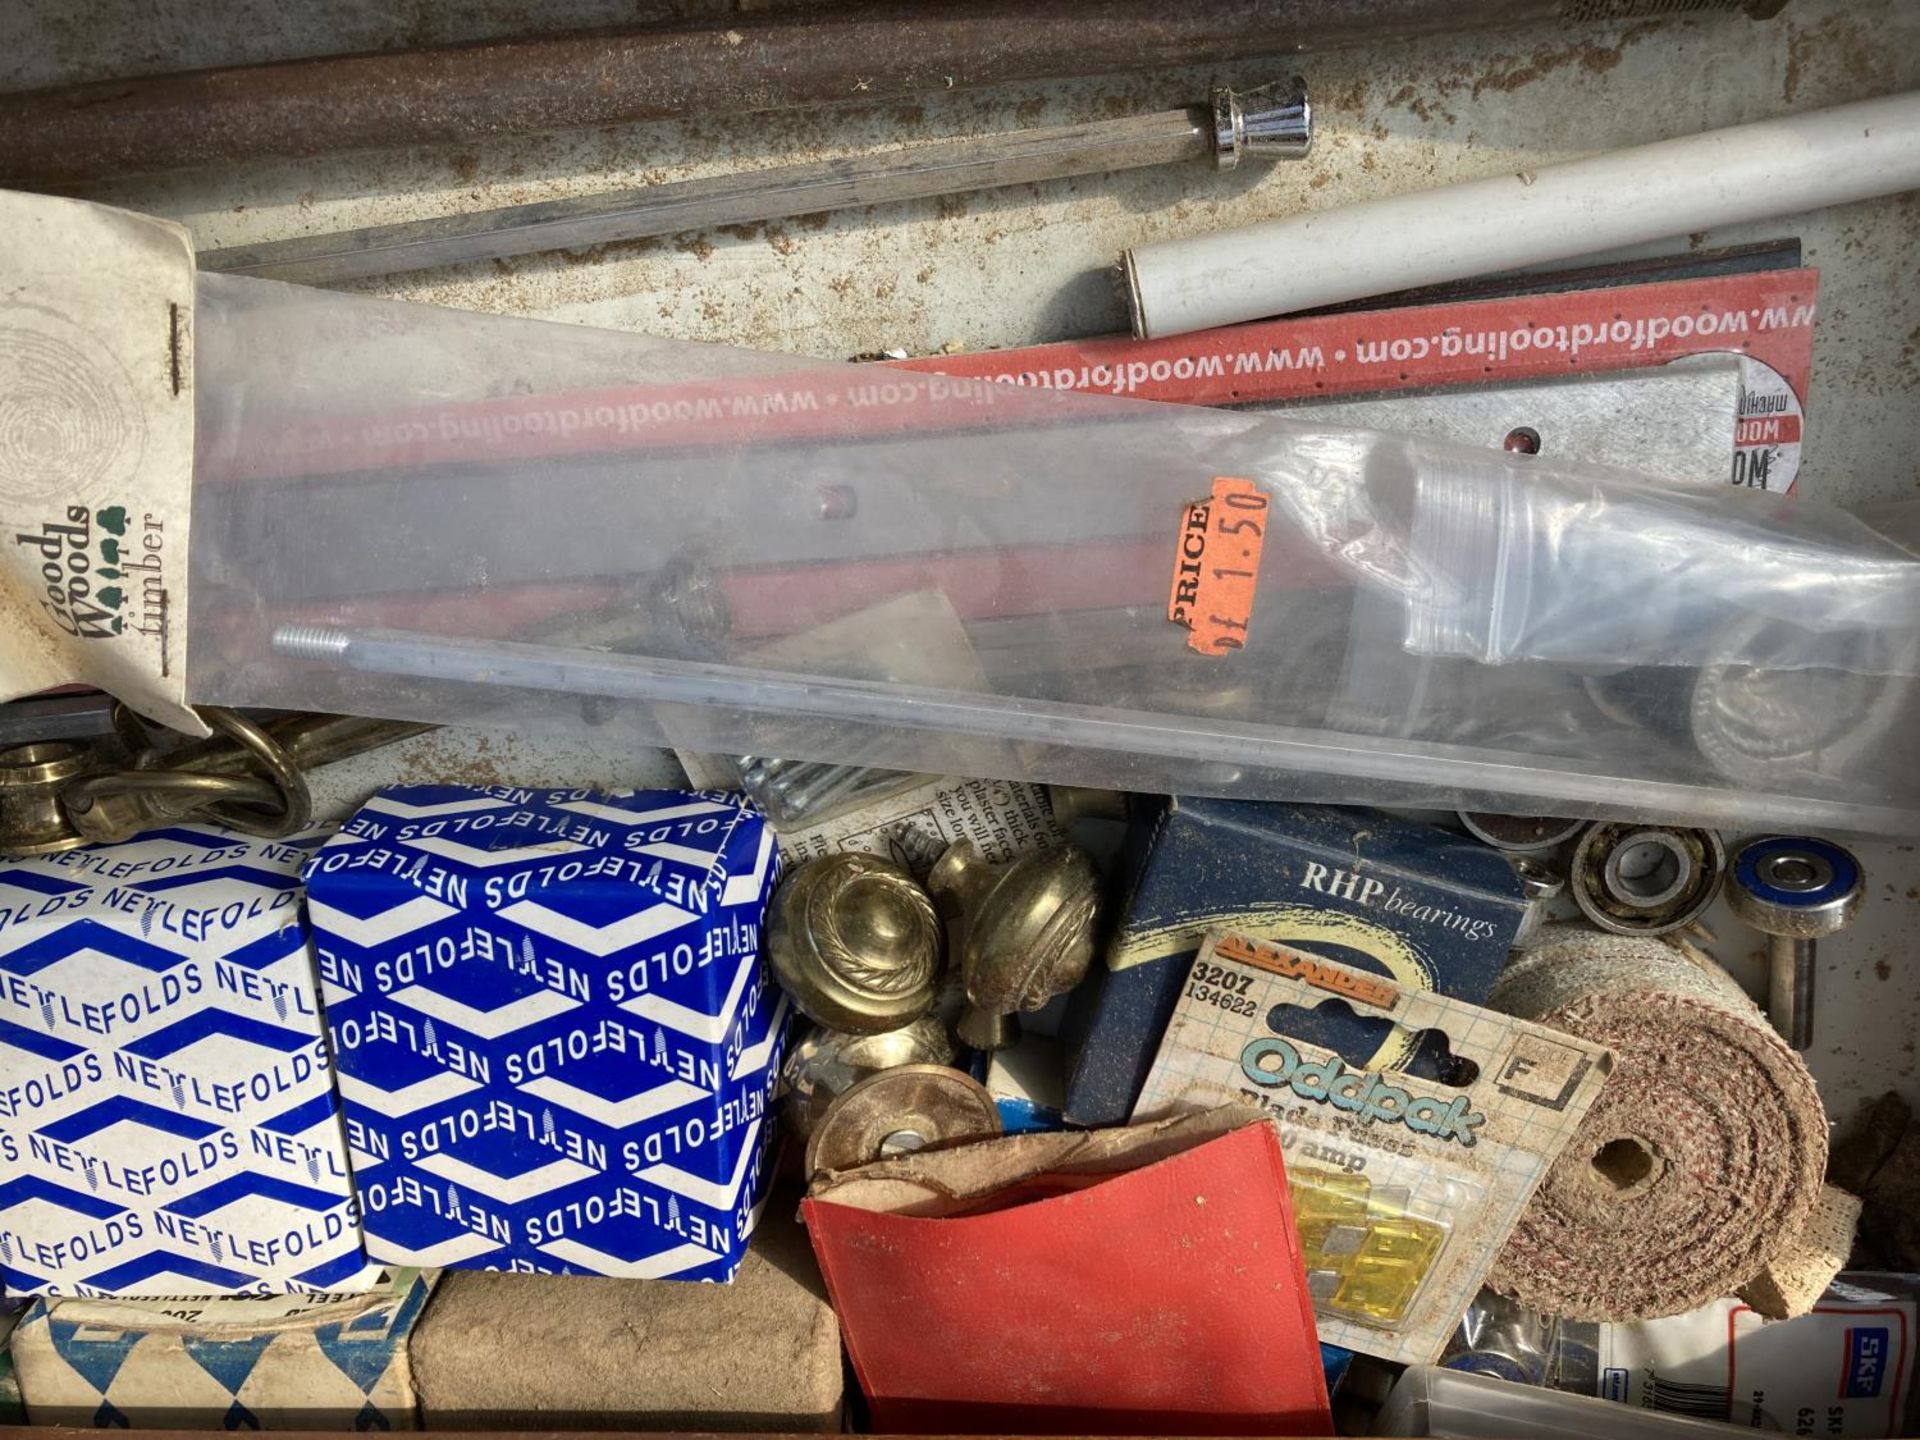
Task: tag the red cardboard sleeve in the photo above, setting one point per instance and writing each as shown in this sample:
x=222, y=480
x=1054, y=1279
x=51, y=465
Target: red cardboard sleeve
x=1164, y=1299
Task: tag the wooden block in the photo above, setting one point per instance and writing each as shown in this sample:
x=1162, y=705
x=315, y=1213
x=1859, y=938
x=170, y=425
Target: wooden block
x=1795, y=1279
x=507, y=1351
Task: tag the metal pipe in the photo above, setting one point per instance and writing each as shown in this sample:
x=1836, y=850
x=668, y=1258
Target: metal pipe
x=810, y=55
x=1509, y=221
x=1260, y=124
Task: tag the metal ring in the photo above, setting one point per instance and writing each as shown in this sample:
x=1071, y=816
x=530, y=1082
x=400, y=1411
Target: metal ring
x=295, y=801
x=268, y=807
x=251, y=789
x=1833, y=872
x=1666, y=869
x=33, y=779
x=131, y=731
x=1520, y=833
x=1611, y=901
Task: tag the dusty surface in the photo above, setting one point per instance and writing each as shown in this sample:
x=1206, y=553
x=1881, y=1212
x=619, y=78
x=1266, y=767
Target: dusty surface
x=1032, y=263
x=488, y=757
x=58, y=44
x=1861, y=1145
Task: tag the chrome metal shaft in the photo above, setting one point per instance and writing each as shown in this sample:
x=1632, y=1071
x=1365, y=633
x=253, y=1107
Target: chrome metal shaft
x=1790, y=988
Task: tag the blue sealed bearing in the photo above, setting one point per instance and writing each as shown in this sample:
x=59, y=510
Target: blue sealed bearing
x=1796, y=871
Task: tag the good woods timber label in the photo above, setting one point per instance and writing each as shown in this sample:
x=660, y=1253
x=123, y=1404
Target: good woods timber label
x=96, y=452
x=1216, y=566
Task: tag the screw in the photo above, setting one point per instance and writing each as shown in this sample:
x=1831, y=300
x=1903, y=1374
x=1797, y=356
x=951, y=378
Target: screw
x=1794, y=890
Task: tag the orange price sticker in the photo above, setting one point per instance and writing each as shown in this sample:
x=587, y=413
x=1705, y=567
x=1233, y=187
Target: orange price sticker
x=1216, y=565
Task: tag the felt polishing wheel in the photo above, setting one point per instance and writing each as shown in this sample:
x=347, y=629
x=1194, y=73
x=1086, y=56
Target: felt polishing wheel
x=1701, y=1159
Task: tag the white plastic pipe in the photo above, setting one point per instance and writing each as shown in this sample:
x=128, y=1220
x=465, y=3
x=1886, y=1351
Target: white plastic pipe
x=1624, y=197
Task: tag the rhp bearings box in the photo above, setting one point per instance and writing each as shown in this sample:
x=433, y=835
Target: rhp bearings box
x=555, y=1037
x=277, y=1362
x=1429, y=909
x=167, y=1116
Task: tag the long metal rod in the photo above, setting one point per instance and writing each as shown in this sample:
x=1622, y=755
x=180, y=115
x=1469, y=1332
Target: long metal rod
x=573, y=672
x=746, y=62
x=942, y=168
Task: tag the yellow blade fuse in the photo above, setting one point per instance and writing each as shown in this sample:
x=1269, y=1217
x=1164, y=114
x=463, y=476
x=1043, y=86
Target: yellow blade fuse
x=1366, y=1257
x=1323, y=1202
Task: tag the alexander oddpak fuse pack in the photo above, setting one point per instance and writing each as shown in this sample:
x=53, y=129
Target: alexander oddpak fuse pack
x=1404, y=1187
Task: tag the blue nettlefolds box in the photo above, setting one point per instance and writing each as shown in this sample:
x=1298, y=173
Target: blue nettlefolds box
x=168, y=1124
x=1429, y=908
x=555, y=1038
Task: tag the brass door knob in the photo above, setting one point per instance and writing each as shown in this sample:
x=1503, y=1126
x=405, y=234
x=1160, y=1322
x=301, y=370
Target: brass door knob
x=825, y=1064
x=1029, y=932
x=899, y=1112
x=856, y=944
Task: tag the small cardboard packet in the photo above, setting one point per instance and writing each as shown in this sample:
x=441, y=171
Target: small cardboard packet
x=1404, y=1188
x=96, y=452
x=1139, y=1281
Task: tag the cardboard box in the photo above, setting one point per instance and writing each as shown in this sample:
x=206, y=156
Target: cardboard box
x=1404, y=1189
x=555, y=1037
x=167, y=1118
x=309, y=1362
x=546, y=1352
x=1849, y=1363
x=1433, y=910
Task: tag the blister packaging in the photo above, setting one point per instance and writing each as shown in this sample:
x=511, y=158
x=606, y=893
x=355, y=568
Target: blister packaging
x=437, y=516
x=1432, y=1401
x=1368, y=1249
x=1501, y=1337
x=1403, y=1187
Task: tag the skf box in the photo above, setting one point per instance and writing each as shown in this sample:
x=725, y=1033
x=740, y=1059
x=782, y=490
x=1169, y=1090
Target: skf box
x=1850, y=1362
x=167, y=1117
x=1429, y=909
x=555, y=1037
x=278, y=1362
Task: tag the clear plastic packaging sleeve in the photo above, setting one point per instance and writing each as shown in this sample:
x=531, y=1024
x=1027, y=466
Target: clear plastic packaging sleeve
x=433, y=515
x=1431, y=1400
